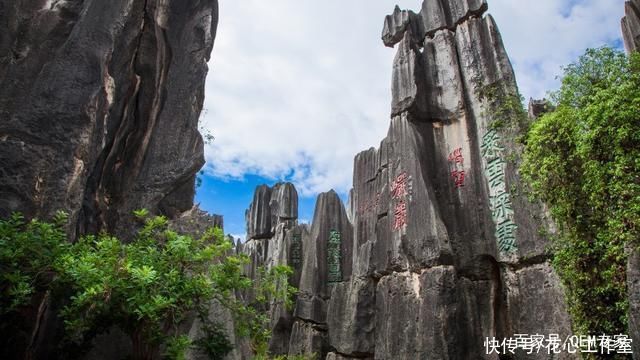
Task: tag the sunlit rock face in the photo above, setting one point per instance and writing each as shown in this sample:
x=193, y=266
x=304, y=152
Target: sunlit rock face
x=99, y=108
x=439, y=247
x=631, y=25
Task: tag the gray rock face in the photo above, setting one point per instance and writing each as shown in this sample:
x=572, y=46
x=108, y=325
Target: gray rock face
x=196, y=222
x=538, y=108
x=398, y=23
x=271, y=206
x=446, y=14
x=351, y=320
x=631, y=25
x=99, y=108
x=307, y=338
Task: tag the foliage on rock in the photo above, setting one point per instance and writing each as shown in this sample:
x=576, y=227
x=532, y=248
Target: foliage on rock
x=583, y=160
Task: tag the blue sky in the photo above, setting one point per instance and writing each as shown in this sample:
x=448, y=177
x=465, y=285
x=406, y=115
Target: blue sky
x=297, y=88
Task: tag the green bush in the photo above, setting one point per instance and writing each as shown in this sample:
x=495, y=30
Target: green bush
x=148, y=287
x=583, y=160
x=27, y=253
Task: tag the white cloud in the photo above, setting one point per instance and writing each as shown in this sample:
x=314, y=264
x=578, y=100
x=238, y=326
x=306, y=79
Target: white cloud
x=543, y=36
x=297, y=88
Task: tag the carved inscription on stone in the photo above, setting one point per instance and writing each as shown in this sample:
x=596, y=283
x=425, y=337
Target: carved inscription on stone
x=399, y=186
x=296, y=251
x=334, y=257
x=368, y=206
x=457, y=174
x=399, y=215
x=399, y=190
x=499, y=198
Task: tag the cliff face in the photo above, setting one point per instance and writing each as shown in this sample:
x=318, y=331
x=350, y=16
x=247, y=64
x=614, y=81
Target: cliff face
x=99, y=105
x=439, y=247
x=631, y=25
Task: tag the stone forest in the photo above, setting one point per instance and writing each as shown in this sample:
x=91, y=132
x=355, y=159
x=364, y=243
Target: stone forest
x=437, y=251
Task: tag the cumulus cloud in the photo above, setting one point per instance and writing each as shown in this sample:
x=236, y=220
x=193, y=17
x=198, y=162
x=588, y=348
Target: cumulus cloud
x=297, y=88
x=543, y=36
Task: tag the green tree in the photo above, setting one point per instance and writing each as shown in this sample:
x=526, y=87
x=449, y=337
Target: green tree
x=27, y=252
x=150, y=286
x=583, y=160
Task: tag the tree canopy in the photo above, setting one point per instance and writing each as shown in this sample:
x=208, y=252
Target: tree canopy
x=583, y=161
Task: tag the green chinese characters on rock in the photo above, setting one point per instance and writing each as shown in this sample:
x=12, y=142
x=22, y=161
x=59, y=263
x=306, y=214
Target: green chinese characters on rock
x=334, y=257
x=296, y=251
x=499, y=198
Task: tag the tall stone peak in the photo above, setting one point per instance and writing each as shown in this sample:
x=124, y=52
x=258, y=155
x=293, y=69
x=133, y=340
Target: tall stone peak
x=270, y=207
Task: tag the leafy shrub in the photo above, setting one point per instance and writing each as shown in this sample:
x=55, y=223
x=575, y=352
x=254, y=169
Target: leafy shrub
x=583, y=160
x=27, y=252
x=149, y=287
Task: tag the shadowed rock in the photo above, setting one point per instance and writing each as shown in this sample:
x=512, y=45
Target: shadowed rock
x=99, y=107
x=271, y=206
x=631, y=25
x=538, y=108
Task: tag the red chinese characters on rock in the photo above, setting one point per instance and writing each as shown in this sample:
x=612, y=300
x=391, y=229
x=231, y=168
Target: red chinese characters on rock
x=399, y=190
x=458, y=177
x=456, y=156
x=399, y=186
x=457, y=174
x=399, y=215
x=369, y=206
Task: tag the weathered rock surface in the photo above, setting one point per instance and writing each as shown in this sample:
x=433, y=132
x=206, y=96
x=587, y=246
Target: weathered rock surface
x=400, y=22
x=631, y=36
x=325, y=262
x=269, y=208
x=196, y=221
x=538, y=108
x=351, y=320
x=439, y=248
x=99, y=108
x=631, y=25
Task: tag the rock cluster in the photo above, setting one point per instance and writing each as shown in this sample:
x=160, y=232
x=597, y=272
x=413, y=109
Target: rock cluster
x=439, y=248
